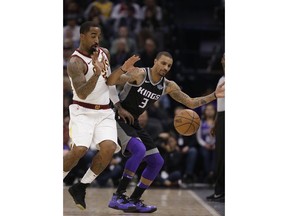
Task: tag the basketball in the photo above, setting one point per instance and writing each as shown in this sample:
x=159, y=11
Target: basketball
x=186, y=122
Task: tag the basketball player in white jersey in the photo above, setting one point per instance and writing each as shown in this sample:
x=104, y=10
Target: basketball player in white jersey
x=92, y=121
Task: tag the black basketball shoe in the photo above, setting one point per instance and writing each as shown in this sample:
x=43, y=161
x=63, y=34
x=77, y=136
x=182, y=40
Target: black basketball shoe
x=78, y=192
x=216, y=198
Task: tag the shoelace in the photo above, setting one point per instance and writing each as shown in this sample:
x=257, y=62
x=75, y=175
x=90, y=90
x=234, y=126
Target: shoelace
x=124, y=197
x=140, y=202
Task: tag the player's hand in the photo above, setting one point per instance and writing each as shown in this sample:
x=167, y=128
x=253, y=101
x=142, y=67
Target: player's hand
x=129, y=63
x=125, y=115
x=220, y=90
x=98, y=65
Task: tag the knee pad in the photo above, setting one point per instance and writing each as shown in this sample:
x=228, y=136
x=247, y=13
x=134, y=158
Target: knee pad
x=154, y=165
x=136, y=147
x=155, y=160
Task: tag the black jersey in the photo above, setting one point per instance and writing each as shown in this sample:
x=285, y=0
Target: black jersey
x=137, y=98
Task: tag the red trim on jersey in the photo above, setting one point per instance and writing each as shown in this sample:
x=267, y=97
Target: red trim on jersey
x=104, y=52
x=83, y=53
x=83, y=61
x=92, y=106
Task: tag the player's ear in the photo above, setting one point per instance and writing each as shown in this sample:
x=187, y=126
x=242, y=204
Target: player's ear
x=155, y=60
x=82, y=36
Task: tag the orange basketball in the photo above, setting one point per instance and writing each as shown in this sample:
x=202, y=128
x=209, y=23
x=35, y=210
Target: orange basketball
x=186, y=122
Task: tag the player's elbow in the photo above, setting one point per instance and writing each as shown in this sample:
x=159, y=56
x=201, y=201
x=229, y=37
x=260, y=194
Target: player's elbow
x=110, y=82
x=81, y=96
x=191, y=105
x=194, y=106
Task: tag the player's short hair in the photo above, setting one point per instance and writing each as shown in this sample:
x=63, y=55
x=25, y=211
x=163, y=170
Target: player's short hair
x=163, y=53
x=85, y=27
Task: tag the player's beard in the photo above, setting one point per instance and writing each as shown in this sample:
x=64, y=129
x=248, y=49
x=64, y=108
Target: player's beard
x=93, y=49
x=162, y=73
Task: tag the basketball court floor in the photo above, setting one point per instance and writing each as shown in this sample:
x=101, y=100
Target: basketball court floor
x=184, y=202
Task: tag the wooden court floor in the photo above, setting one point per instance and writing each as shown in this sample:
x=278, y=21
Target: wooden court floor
x=168, y=201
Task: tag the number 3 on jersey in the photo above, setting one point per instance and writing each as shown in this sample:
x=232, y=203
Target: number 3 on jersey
x=144, y=103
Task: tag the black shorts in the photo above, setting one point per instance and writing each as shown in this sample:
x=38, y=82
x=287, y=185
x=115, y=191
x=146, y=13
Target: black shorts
x=126, y=132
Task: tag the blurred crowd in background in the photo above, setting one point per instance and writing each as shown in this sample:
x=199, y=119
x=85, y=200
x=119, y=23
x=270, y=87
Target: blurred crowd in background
x=193, y=32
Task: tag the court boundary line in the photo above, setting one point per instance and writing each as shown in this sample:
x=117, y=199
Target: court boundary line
x=205, y=205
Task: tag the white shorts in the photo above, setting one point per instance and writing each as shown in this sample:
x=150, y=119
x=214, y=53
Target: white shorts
x=89, y=127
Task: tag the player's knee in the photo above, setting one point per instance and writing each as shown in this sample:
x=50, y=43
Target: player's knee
x=108, y=147
x=141, y=151
x=79, y=151
x=159, y=160
x=155, y=160
x=113, y=147
x=136, y=147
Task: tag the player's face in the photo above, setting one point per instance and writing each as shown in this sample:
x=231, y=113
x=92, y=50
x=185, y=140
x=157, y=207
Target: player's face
x=163, y=65
x=91, y=39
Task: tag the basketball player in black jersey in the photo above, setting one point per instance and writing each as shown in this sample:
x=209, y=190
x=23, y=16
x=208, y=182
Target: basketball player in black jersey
x=143, y=87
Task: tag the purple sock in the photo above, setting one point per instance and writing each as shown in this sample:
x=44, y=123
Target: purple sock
x=154, y=165
x=137, y=149
x=141, y=185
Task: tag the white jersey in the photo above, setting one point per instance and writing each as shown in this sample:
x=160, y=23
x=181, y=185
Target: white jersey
x=221, y=101
x=100, y=94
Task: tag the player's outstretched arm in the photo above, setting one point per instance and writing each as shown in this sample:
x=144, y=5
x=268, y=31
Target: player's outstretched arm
x=220, y=90
x=123, y=74
x=175, y=92
x=76, y=70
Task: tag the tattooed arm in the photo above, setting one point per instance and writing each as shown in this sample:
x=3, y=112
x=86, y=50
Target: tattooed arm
x=76, y=70
x=175, y=92
x=125, y=73
x=118, y=77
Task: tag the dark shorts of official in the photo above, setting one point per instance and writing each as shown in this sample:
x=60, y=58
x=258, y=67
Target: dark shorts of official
x=126, y=132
